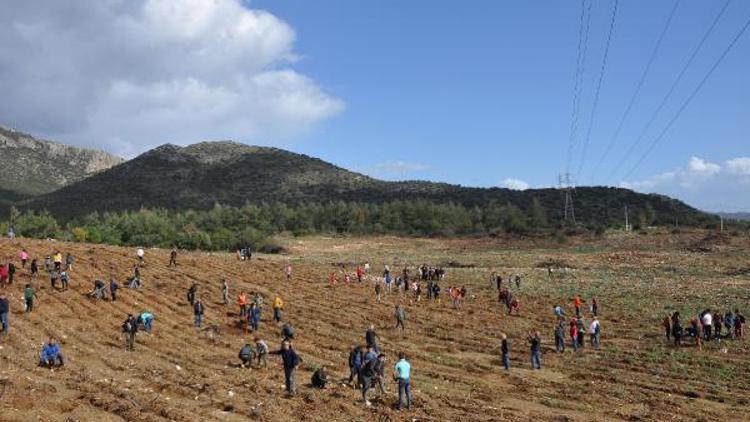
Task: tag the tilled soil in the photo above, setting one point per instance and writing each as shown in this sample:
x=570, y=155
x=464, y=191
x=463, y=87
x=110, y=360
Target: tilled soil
x=178, y=372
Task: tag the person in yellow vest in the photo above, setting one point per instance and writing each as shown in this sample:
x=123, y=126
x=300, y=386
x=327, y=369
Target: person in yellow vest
x=57, y=259
x=278, y=305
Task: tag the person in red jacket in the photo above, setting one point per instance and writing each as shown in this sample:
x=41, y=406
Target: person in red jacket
x=574, y=333
x=360, y=273
x=4, y=275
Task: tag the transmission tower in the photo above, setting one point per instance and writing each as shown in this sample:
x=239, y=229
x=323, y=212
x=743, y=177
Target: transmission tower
x=569, y=213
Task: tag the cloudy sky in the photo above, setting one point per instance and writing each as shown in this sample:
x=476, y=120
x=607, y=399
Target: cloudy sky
x=481, y=95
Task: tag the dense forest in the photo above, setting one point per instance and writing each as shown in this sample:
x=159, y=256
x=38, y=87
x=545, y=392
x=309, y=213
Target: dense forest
x=227, y=228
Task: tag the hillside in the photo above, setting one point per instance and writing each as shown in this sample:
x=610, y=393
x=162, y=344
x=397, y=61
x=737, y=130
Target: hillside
x=202, y=175
x=33, y=166
x=180, y=373
x=740, y=216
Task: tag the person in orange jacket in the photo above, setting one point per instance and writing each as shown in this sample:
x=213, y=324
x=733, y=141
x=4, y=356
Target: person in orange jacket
x=577, y=302
x=242, y=301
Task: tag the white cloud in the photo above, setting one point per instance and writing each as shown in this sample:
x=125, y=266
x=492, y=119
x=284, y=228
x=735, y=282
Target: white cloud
x=739, y=166
x=128, y=75
x=396, y=169
x=514, y=184
x=702, y=167
x=706, y=185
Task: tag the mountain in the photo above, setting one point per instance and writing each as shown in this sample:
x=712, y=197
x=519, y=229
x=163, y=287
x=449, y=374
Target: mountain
x=32, y=166
x=742, y=216
x=202, y=175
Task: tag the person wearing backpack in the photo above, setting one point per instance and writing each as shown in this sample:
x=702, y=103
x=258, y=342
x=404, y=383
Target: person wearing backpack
x=130, y=328
x=64, y=280
x=594, y=330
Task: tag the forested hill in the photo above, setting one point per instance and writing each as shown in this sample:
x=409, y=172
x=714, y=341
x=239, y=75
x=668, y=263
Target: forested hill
x=202, y=175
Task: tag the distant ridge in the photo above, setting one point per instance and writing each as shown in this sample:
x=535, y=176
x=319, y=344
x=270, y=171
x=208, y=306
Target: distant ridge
x=32, y=166
x=228, y=173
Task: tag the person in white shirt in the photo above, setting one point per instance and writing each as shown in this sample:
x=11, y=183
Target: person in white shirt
x=707, y=321
x=594, y=329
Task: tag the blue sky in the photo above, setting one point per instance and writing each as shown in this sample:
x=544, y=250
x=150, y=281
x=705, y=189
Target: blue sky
x=476, y=93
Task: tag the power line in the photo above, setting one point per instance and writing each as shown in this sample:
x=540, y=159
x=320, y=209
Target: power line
x=637, y=88
x=598, y=88
x=690, y=98
x=583, y=41
x=671, y=90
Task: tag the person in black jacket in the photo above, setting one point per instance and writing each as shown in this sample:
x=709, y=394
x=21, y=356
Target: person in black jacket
x=291, y=361
x=130, y=328
x=320, y=378
x=505, y=349
x=535, y=344
x=198, y=312
x=191, y=294
x=371, y=338
x=287, y=332
x=372, y=372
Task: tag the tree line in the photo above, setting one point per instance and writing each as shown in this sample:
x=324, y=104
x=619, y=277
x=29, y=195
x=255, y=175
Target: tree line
x=228, y=228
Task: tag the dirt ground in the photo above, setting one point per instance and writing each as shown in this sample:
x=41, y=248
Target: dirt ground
x=182, y=373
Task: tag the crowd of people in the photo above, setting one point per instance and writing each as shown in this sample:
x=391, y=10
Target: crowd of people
x=704, y=327
x=366, y=362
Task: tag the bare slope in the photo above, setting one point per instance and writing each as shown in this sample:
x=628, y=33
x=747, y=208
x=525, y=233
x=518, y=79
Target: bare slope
x=180, y=373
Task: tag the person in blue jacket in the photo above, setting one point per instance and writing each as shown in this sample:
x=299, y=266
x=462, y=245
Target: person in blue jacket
x=113, y=289
x=147, y=319
x=291, y=362
x=254, y=316
x=51, y=355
